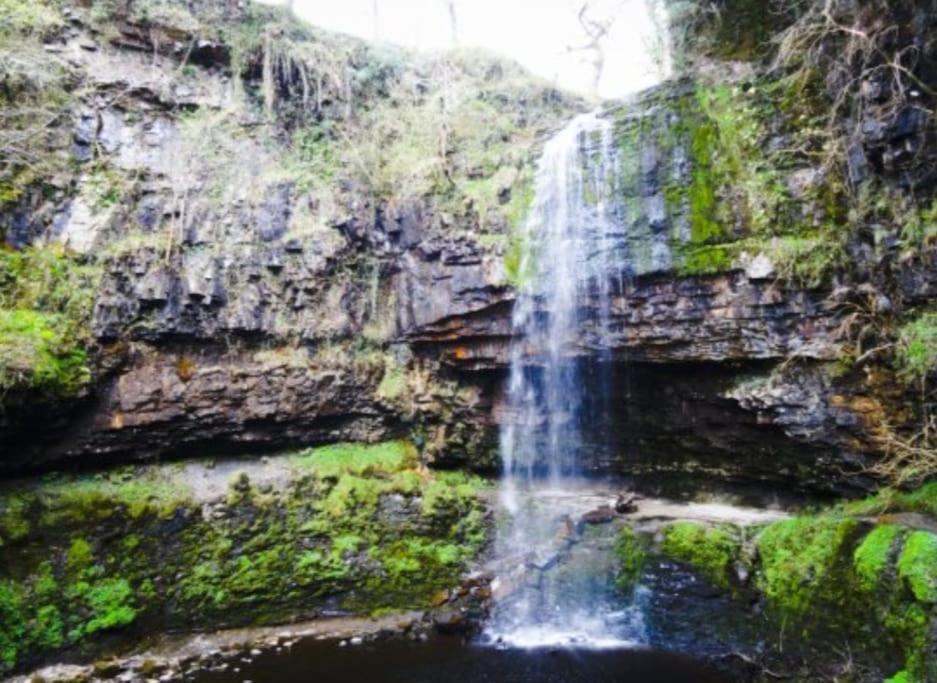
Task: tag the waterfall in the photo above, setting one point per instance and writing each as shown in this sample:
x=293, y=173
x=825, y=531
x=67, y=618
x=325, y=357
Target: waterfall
x=569, y=265
x=572, y=262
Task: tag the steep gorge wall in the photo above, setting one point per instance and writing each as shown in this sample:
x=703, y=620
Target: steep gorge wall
x=265, y=275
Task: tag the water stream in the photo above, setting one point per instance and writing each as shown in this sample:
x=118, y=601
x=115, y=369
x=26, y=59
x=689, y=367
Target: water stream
x=569, y=266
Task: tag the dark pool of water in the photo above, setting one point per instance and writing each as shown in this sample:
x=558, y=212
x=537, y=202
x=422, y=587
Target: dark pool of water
x=450, y=661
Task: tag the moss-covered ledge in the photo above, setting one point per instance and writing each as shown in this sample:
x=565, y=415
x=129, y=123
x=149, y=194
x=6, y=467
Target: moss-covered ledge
x=89, y=562
x=861, y=573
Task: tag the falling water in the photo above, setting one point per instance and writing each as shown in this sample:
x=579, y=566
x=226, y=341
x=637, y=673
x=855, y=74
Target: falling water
x=568, y=268
x=552, y=597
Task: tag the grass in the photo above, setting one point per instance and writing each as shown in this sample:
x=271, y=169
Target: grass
x=356, y=459
x=28, y=17
x=916, y=353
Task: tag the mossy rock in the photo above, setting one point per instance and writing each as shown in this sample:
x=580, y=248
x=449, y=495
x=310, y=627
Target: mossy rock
x=711, y=551
x=353, y=527
x=631, y=550
x=800, y=559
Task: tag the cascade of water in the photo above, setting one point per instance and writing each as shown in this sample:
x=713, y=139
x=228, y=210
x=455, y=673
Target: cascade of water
x=575, y=262
x=568, y=265
x=571, y=264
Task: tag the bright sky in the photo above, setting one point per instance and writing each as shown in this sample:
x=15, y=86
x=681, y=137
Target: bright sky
x=536, y=33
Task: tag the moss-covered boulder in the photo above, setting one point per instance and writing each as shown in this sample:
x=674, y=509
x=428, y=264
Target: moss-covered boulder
x=831, y=578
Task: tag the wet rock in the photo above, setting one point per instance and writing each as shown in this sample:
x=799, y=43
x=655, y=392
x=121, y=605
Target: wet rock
x=601, y=515
x=107, y=668
x=626, y=503
x=450, y=622
x=567, y=532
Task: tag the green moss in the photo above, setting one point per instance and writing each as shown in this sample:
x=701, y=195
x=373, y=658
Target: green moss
x=917, y=565
x=890, y=500
x=709, y=550
x=694, y=261
x=799, y=559
x=916, y=352
x=631, y=551
x=737, y=198
x=356, y=458
x=110, y=603
x=46, y=299
x=902, y=677
x=354, y=524
x=873, y=555
x=393, y=384
x=133, y=492
x=79, y=556
x=705, y=226
x=13, y=622
x=910, y=624
x=14, y=524
x=35, y=353
x=447, y=489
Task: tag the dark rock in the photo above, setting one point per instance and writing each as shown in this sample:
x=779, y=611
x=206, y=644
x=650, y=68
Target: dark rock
x=626, y=503
x=601, y=515
x=451, y=622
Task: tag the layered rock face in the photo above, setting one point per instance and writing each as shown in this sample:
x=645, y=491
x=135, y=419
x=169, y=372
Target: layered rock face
x=248, y=297
x=257, y=291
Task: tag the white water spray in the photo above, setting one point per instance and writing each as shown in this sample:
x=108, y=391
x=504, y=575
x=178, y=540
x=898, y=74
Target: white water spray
x=552, y=597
